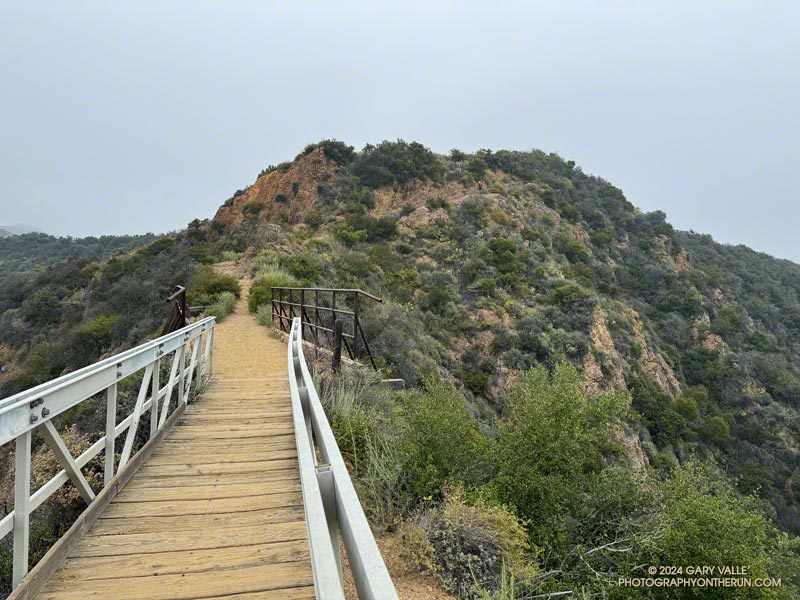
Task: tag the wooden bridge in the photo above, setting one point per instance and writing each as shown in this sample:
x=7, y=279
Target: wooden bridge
x=241, y=493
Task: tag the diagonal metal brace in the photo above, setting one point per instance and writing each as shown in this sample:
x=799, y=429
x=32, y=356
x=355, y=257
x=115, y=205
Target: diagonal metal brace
x=63, y=455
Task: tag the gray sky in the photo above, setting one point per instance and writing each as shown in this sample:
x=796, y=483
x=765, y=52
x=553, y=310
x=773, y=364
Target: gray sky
x=127, y=117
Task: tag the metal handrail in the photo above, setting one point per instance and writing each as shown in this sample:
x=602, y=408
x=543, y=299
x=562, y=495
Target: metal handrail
x=331, y=503
x=309, y=309
x=344, y=290
x=34, y=409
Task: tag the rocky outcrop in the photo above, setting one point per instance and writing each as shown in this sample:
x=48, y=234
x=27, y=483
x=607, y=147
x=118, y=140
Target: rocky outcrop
x=651, y=364
x=288, y=194
x=596, y=380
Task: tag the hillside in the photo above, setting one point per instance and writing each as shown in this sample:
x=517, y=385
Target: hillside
x=590, y=390
x=66, y=301
x=546, y=265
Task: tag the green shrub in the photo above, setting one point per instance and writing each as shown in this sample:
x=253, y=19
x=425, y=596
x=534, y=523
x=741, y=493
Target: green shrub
x=550, y=444
x=337, y=151
x=442, y=441
x=306, y=267
x=438, y=202
x=224, y=305
x=472, y=543
x=95, y=337
x=264, y=315
x=252, y=208
x=705, y=522
x=230, y=255
x=314, y=219
x=267, y=277
x=396, y=162
x=207, y=283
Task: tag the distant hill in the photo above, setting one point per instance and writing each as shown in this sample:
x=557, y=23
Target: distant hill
x=18, y=229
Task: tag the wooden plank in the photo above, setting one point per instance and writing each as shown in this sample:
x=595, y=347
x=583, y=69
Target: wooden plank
x=219, y=468
x=121, y=566
x=229, y=506
x=185, y=586
x=226, y=417
x=156, y=542
x=200, y=480
x=258, y=426
x=191, y=448
x=226, y=435
x=254, y=454
x=169, y=525
x=298, y=593
x=206, y=492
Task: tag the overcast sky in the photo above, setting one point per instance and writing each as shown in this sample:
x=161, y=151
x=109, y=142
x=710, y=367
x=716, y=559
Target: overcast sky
x=127, y=117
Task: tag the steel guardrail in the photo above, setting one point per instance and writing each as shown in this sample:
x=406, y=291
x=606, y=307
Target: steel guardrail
x=331, y=503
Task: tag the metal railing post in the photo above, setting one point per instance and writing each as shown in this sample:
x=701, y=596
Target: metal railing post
x=211, y=353
x=181, y=372
x=22, y=507
x=111, y=425
x=328, y=492
x=154, y=401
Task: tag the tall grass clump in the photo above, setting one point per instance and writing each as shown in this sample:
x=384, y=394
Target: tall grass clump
x=231, y=255
x=264, y=315
x=268, y=276
x=224, y=305
x=360, y=416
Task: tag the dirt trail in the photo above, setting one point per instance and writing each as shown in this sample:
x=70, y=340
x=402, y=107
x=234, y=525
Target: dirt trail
x=244, y=349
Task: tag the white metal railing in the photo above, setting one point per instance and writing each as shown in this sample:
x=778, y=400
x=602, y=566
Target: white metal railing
x=331, y=503
x=34, y=410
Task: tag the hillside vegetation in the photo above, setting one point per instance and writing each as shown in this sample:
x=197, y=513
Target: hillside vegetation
x=543, y=270
x=589, y=390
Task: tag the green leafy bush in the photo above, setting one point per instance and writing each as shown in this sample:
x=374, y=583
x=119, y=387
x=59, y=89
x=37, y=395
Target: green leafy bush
x=442, y=441
x=267, y=277
x=231, y=255
x=337, y=151
x=207, y=283
x=264, y=315
x=550, y=446
x=396, y=162
x=252, y=208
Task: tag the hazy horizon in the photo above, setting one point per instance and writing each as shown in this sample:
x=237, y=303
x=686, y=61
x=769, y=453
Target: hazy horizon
x=136, y=117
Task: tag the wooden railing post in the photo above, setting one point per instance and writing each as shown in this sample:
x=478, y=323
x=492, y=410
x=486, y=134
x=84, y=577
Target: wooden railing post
x=355, y=325
x=336, y=360
x=303, y=318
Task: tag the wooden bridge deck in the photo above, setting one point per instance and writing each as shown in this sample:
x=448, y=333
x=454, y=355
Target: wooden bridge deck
x=217, y=509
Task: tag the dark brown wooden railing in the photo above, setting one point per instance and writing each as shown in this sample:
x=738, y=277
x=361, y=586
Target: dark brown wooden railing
x=179, y=316
x=319, y=310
